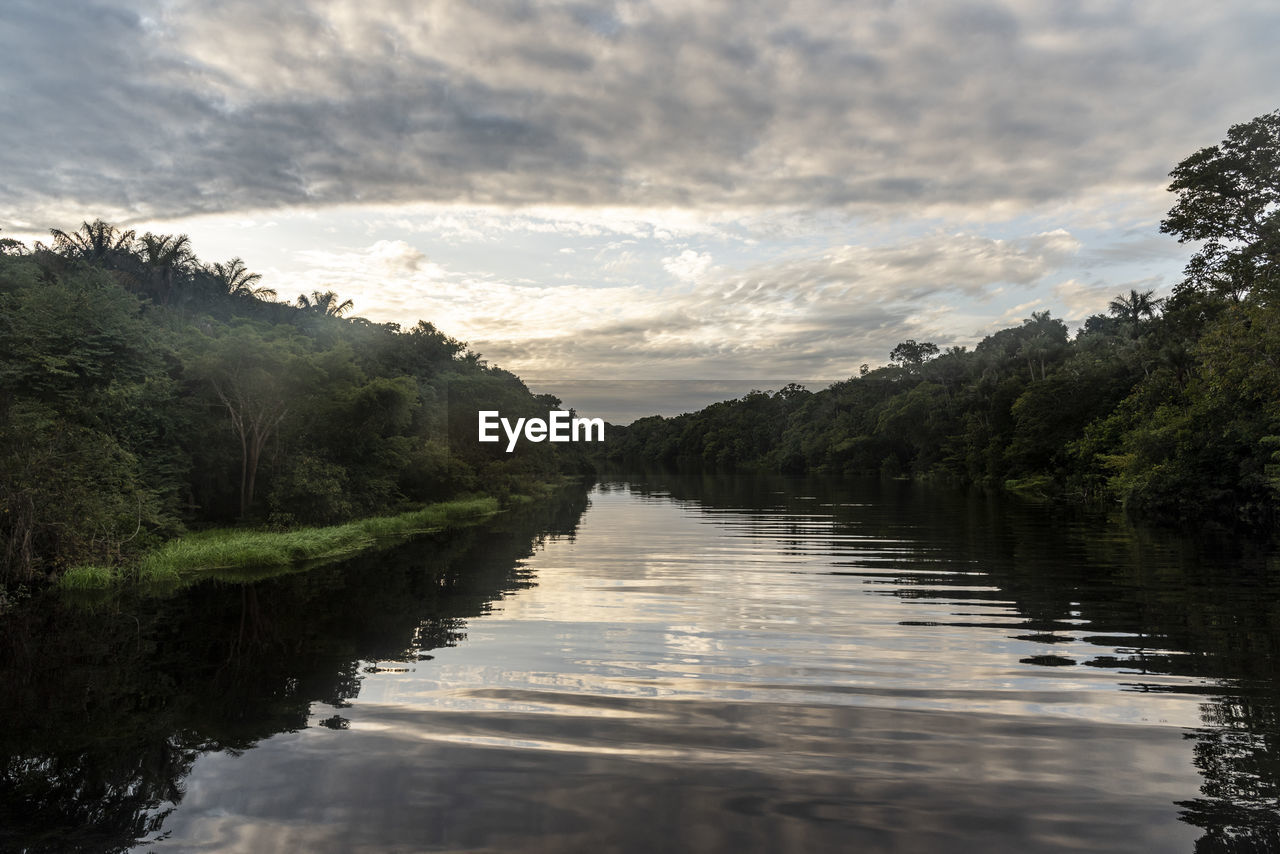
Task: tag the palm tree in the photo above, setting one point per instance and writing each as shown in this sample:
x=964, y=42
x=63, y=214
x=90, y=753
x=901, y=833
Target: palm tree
x=167, y=255
x=1045, y=336
x=94, y=241
x=237, y=281
x=324, y=303
x=1038, y=348
x=1133, y=308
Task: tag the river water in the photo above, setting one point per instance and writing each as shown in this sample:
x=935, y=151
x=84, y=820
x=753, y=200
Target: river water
x=673, y=664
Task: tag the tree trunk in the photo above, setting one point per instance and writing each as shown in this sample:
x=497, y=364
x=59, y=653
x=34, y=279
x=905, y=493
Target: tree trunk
x=244, y=468
x=252, y=475
x=255, y=425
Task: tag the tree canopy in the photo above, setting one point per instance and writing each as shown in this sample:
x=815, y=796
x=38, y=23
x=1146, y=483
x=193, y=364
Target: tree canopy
x=1171, y=406
x=143, y=393
x=1229, y=197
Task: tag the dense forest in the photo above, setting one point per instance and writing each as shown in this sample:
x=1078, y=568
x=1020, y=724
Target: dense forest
x=144, y=393
x=1171, y=406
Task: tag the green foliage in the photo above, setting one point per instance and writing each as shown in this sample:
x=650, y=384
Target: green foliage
x=191, y=556
x=82, y=390
x=1229, y=197
x=67, y=493
x=1169, y=413
x=1168, y=406
x=143, y=393
x=87, y=577
x=912, y=354
x=310, y=490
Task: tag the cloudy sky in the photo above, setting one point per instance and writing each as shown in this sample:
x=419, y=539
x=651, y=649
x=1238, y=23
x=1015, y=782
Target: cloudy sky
x=641, y=190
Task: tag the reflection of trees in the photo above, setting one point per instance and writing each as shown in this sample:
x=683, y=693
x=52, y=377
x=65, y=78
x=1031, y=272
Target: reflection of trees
x=107, y=708
x=1239, y=755
x=1156, y=603
x=90, y=802
x=89, y=757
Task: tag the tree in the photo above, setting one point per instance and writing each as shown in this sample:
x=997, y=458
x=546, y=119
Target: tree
x=1229, y=196
x=430, y=345
x=1134, y=308
x=168, y=255
x=79, y=373
x=1037, y=348
x=236, y=280
x=96, y=242
x=122, y=420
x=325, y=303
x=67, y=493
x=1042, y=338
x=252, y=376
x=9, y=246
x=910, y=355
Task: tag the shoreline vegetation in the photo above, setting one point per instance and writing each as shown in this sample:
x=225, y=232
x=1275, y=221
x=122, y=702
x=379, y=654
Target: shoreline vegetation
x=215, y=551
x=145, y=394
x=1169, y=407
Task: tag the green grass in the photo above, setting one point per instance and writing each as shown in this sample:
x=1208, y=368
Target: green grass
x=87, y=577
x=1039, y=487
x=242, y=549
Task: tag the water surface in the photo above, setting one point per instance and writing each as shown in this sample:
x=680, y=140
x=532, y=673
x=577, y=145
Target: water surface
x=709, y=664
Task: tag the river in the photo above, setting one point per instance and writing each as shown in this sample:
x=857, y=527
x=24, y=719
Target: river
x=696, y=663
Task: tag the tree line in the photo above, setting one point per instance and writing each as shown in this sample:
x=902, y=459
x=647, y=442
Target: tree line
x=1171, y=406
x=143, y=393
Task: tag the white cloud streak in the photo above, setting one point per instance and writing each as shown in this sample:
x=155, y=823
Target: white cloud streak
x=818, y=314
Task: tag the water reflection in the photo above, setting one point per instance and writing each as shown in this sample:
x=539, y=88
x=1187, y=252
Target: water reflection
x=1195, y=622
x=705, y=663
x=107, y=708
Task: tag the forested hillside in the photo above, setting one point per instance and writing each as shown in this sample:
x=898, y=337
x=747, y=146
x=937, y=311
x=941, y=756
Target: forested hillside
x=1170, y=406
x=143, y=392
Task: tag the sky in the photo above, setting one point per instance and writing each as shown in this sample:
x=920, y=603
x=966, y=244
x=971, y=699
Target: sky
x=638, y=191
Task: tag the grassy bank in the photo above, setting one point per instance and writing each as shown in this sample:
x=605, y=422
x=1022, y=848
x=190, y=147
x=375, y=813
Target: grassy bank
x=244, y=549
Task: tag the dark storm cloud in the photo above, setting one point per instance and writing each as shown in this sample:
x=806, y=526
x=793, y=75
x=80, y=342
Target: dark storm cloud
x=172, y=108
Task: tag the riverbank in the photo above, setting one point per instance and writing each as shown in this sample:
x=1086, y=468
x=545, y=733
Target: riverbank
x=230, y=549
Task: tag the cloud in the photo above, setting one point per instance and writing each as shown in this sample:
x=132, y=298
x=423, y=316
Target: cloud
x=165, y=108
x=688, y=266
x=917, y=270
x=1081, y=299
x=640, y=187
x=814, y=314
x=396, y=256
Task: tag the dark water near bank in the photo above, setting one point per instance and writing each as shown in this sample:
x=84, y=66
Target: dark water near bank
x=686, y=664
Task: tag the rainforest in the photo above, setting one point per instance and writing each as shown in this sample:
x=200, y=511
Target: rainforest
x=145, y=394
x=1167, y=406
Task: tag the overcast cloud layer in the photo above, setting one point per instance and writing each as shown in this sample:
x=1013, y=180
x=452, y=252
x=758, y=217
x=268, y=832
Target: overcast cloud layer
x=801, y=183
